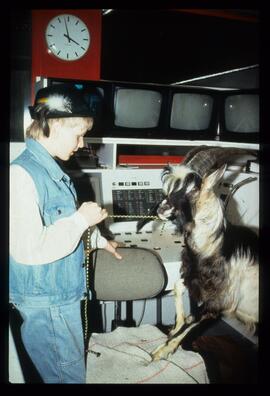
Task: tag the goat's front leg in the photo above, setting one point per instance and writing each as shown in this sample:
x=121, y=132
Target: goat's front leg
x=179, y=289
x=166, y=349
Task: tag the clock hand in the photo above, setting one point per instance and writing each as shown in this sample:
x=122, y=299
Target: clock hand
x=70, y=39
x=66, y=35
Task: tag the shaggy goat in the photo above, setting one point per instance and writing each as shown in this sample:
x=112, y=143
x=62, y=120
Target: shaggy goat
x=219, y=261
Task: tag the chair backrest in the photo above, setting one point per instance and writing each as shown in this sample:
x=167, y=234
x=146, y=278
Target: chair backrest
x=139, y=275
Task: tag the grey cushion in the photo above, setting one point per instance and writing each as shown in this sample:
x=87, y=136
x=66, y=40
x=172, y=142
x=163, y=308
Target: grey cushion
x=139, y=275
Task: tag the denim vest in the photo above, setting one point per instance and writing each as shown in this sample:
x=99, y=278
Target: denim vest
x=63, y=280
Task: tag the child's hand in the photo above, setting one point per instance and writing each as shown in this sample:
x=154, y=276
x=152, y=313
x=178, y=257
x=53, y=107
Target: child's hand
x=111, y=248
x=92, y=213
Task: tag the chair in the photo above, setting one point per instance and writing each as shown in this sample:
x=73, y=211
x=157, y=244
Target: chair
x=139, y=275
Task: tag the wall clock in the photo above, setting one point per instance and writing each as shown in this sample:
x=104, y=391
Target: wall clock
x=46, y=63
x=67, y=37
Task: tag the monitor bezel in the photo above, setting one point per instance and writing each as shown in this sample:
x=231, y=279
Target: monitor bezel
x=209, y=133
x=227, y=135
x=148, y=132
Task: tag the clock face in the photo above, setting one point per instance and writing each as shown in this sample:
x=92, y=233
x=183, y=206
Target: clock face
x=67, y=37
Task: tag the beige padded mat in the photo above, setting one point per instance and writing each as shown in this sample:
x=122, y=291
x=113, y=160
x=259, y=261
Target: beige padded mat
x=124, y=358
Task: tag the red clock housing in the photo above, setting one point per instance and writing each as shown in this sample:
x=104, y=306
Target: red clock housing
x=45, y=64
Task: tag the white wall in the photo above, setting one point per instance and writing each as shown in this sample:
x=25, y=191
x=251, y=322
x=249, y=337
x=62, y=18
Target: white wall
x=15, y=149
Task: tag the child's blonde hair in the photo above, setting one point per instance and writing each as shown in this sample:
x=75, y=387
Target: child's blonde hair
x=35, y=129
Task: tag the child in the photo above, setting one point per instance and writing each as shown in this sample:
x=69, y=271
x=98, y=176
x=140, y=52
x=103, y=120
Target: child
x=47, y=277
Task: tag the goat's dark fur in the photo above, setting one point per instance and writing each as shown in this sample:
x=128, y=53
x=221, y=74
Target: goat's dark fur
x=219, y=260
x=209, y=274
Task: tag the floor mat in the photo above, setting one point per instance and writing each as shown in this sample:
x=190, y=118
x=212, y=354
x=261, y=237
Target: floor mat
x=123, y=356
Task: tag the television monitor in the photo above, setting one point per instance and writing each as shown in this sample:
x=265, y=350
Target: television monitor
x=240, y=116
x=137, y=110
x=156, y=111
x=192, y=113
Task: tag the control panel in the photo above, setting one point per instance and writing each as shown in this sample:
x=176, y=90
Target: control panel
x=135, y=201
x=131, y=191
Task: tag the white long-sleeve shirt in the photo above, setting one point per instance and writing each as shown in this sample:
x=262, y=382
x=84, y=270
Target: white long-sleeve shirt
x=30, y=241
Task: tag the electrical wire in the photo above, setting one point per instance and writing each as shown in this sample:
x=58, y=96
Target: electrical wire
x=143, y=312
x=236, y=187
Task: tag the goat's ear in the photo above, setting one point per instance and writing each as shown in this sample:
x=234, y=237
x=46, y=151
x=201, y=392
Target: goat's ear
x=212, y=179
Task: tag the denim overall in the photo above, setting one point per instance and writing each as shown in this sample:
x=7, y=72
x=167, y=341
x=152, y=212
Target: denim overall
x=48, y=295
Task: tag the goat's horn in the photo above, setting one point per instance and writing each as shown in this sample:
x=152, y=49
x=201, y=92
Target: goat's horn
x=214, y=157
x=193, y=152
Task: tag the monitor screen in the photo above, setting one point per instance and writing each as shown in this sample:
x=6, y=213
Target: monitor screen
x=137, y=108
x=191, y=111
x=241, y=113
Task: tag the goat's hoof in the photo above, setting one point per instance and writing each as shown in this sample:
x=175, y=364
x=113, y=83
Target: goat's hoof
x=157, y=356
x=160, y=353
x=154, y=357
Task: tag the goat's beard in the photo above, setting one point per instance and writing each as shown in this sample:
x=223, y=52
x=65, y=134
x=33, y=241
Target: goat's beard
x=180, y=224
x=183, y=220
x=176, y=218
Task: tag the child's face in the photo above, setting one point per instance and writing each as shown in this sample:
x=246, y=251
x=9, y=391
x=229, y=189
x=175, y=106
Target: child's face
x=66, y=136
